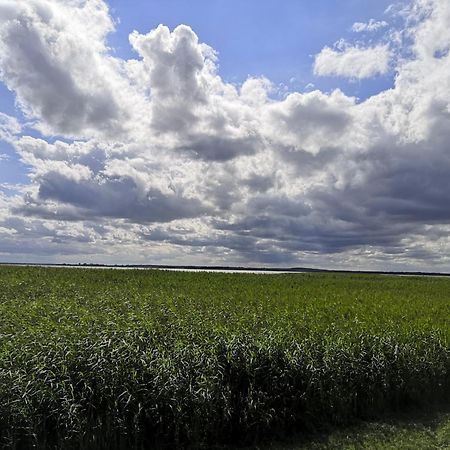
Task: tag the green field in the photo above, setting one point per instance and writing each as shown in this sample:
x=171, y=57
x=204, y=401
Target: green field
x=136, y=358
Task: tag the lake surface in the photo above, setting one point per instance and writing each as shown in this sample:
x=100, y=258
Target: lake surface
x=171, y=269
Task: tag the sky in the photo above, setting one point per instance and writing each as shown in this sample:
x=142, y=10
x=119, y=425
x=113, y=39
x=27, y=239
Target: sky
x=308, y=134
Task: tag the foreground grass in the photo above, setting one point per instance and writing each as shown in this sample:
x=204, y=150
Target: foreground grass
x=129, y=359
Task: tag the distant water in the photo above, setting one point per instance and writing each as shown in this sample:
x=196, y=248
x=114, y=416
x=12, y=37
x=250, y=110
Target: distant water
x=271, y=272
x=171, y=269
x=231, y=270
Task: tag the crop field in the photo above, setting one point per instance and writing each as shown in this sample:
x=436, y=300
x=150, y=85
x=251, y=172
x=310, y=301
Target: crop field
x=143, y=359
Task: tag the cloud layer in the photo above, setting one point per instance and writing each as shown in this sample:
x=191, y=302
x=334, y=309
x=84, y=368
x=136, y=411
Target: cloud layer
x=158, y=159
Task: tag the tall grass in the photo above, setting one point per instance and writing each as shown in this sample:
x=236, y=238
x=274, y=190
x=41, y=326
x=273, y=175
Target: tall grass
x=133, y=359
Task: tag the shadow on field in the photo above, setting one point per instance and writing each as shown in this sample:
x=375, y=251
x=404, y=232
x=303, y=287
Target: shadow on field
x=418, y=429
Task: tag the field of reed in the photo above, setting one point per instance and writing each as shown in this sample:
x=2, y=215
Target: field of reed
x=115, y=359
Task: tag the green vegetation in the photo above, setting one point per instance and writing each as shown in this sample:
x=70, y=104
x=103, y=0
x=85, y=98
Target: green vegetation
x=133, y=358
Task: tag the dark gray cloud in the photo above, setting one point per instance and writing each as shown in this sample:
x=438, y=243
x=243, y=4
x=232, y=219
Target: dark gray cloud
x=258, y=183
x=307, y=163
x=306, y=115
x=114, y=197
x=218, y=148
x=246, y=246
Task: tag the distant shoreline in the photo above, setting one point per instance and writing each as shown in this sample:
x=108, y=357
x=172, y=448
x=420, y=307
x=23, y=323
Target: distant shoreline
x=225, y=269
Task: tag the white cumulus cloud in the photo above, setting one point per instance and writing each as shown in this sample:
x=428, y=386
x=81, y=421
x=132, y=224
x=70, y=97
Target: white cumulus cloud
x=353, y=61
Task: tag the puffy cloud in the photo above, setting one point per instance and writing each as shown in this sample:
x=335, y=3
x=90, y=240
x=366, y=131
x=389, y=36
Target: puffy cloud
x=54, y=57
x=176, y=70
x=371, y=25
x=431, y=34
x=160, y=160
x=9, y=127
x=309, y=121
x=353, y=61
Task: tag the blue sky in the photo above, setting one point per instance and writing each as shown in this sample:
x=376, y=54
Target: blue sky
x=258, y=38
x=317, y=137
